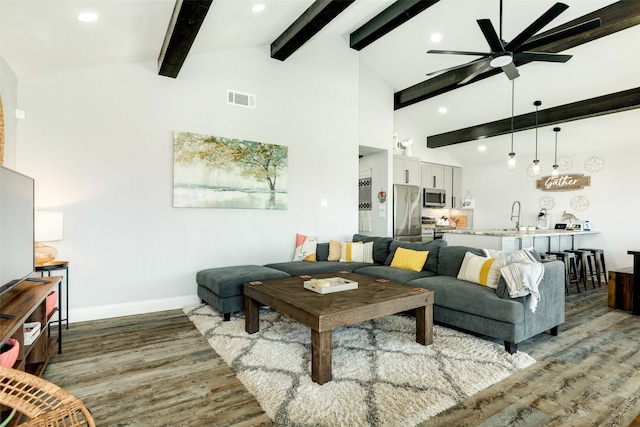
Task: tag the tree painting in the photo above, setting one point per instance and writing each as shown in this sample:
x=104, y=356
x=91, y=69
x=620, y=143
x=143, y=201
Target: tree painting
x=217, y=172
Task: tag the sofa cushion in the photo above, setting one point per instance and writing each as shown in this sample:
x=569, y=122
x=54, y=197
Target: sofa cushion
x=432, y=247
x=228, y=281
x=468, y=297
x=301, y=268
x=322, y=251
x=450, y=259
x=380, y=246
x=393, y=274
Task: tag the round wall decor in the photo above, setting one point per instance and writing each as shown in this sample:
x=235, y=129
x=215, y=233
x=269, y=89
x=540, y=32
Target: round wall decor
x=594, y=164
x=565, y=163
x=579, y=203
x=546, y=202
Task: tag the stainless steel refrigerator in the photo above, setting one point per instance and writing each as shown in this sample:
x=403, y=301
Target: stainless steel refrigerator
x=407, y=213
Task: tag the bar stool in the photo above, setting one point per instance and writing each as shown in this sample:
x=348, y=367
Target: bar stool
x=570, y=269
x=583, y=259
x=601, y=268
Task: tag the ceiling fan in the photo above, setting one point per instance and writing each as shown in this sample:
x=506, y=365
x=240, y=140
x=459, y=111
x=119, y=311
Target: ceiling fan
x=504, y=54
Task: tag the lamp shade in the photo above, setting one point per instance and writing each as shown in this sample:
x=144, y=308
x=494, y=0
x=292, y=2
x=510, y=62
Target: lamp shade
x=48, y=226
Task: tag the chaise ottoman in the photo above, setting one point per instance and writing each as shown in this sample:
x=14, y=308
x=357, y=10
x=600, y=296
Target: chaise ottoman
x=221, y=287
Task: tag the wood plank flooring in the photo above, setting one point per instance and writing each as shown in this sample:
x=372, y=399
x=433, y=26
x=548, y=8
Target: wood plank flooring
x=157, y=370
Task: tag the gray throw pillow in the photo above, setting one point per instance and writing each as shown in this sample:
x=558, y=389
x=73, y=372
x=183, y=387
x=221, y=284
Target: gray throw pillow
x=380, y=246
x=450, y=259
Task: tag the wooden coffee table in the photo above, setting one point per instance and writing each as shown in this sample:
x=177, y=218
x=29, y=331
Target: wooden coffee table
x=325, y=312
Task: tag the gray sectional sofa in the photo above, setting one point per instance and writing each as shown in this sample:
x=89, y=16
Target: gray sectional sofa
x=458, y=303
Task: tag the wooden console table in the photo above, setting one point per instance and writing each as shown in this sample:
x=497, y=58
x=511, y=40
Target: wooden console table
x=27, y=302
x=620, y=289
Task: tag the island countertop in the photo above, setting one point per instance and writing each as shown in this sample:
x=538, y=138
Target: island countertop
x=512, y=239
x=504, y=232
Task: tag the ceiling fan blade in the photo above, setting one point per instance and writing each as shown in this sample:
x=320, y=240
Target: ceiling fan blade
x=511, y=71
x=562, y=34
x=536, y=26
x=541, y=56
x=455, y=67
x=490, y=34
x=479, y=69
x=459, y=52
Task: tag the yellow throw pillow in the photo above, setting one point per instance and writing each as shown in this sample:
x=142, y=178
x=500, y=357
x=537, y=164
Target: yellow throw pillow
x=481, y=270
x=408, y=259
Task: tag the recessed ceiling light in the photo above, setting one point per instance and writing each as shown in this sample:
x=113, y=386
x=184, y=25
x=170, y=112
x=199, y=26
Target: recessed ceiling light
x=482, y=148
x=87, y=17
x=436, y=38
x=258, y=8
x=442, y=110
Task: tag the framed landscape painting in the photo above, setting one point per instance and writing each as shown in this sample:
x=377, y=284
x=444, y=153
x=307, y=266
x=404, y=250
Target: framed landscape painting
x=218, y=172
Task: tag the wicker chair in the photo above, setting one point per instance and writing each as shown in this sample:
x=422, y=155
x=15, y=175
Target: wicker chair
x=43, y=403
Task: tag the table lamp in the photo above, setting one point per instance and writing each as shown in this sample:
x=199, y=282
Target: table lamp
x=48, y=228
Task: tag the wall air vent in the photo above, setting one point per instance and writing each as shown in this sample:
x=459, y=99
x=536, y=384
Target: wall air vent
x=241, y=99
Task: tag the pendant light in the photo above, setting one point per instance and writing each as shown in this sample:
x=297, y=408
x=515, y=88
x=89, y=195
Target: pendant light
x=512, y=156
x=536, y=163
x=555, y=171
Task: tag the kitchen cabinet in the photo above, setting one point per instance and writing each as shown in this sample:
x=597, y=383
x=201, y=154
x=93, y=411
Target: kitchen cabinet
x=406, y=170
x=453, y=186
x=433, y=176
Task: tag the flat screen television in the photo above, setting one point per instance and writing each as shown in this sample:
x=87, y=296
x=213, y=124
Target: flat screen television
x=16, y=228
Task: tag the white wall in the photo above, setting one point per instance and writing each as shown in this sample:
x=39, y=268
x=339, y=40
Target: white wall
x=612, y=196
x=381, y=213
x=376, y=131
x=9, y=93
x=99, y=144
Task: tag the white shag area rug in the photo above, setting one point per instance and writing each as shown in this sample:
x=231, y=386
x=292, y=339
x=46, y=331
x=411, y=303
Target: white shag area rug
x=381, y=376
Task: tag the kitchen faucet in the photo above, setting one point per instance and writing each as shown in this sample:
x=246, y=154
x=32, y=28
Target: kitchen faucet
x=516, y=216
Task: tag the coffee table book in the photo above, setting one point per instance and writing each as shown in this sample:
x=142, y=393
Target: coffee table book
x=329, y=285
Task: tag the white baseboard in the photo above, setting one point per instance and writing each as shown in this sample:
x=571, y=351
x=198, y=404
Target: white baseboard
x=130, y=308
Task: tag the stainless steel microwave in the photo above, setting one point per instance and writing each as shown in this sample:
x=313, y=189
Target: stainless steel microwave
x=432, y=198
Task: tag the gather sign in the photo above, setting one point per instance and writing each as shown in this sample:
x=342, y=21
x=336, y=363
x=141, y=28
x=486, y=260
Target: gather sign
x=567, y=182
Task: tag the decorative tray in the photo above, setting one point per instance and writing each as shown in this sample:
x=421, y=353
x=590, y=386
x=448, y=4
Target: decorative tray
x=332, y=284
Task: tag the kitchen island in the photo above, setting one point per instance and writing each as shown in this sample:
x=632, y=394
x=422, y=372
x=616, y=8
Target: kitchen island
x=512, y=239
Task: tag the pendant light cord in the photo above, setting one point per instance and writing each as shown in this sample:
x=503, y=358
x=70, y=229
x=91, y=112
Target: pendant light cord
x=512, y=110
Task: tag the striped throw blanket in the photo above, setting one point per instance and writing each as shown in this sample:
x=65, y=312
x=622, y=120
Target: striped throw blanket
x=522, y=273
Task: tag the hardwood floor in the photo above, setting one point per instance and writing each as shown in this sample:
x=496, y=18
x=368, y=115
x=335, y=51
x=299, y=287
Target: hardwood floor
x=157, y=370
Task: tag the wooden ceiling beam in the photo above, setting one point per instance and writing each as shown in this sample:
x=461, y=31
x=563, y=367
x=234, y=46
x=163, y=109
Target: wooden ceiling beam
x=314, y=19
x=389, y=19
x=615, y=17
x=185, y=23
x=593, y=107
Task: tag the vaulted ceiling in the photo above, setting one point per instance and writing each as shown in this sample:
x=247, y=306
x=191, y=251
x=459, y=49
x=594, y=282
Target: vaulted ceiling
x=42, y=36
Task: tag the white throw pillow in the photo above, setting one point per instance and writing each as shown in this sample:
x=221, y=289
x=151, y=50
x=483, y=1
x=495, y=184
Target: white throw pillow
x=356, y=252
x=481, y=270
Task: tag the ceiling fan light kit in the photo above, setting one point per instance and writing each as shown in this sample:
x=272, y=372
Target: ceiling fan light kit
x=501, y=60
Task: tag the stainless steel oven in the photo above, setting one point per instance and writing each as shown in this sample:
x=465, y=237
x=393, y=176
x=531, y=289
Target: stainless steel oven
x=432, y=198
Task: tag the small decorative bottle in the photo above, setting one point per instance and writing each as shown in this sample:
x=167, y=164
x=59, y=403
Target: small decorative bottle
x=587, y=225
